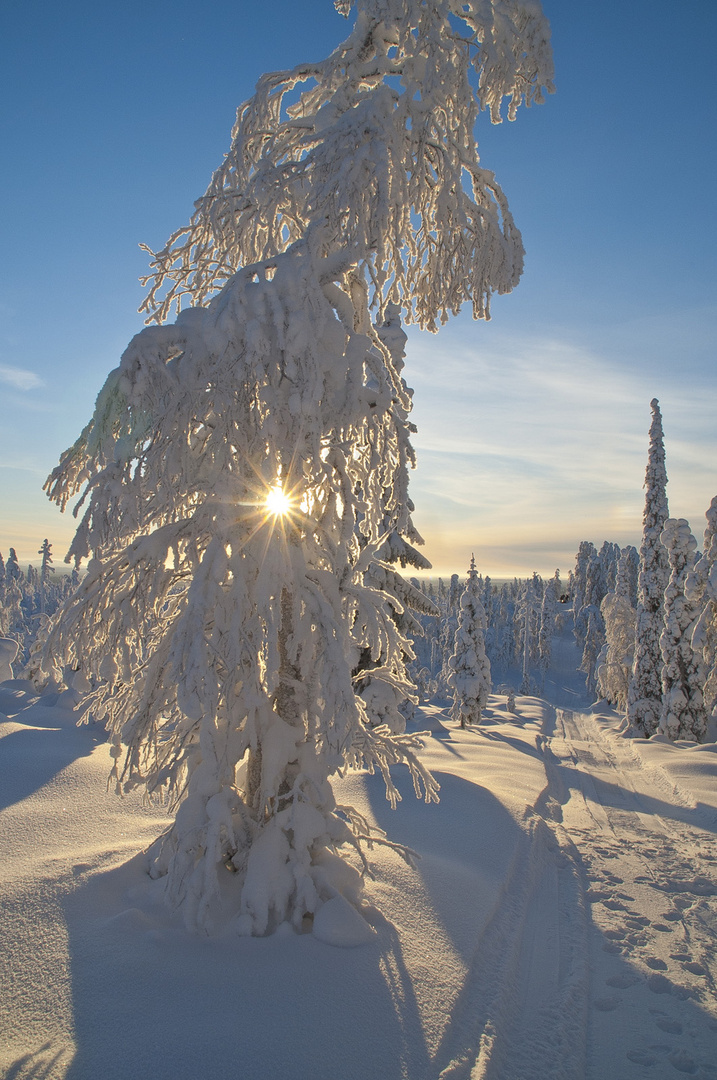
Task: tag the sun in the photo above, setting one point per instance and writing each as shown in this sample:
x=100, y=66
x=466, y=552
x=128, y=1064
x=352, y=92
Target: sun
x=278, y=502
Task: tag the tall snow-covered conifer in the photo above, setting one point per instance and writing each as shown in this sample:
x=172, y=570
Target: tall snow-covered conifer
x=469, y=667
x=246, y=465
x=46, y=569
x=644, y=702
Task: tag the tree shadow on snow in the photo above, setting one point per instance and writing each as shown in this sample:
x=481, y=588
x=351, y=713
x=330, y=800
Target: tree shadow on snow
x=466, y=843
x=49, y=1062
x=31, y=756
x=153, y=1000
x=621, y=798
x=433, y=721
x=520, y=745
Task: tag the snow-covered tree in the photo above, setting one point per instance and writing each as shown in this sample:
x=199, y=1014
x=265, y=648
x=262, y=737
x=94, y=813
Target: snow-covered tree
x=644, y=703
x=631, y=572
x=470, y=670
x=449, y=625
x=246, y=465
x=701, y=590
x=12, y=567
x=683, y=713
x=614, y=666
x=608, y=558
x=46, y=568
x=594, y=641
x=12, y=620
x=546, y=629
x=594, y=576
x=585, y=555
x=455, y=592
x=383, y=681
x=503, y=646
x=526, y=622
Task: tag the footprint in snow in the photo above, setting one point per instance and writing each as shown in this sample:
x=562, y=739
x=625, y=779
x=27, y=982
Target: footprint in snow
x=682, y=1061
x=606, y=1004
x=622, y=981
x=672, y=1027
x=659, y=984
x=641, y=1057
x=694, y=967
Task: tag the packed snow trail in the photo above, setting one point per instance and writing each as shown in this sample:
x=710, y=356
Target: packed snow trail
x=650, y=861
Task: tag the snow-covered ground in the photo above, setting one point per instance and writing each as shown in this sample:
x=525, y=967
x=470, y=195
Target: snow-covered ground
x=561, y=923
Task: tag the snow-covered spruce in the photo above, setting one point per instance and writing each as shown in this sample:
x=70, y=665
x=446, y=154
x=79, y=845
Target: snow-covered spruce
x=527, y=624
x=224, y=642
x=470, y=670
x=594, y=576
x=594, y=641
x=586, y=556
x=644, y=702
x=547, y=629
x=701, y=590
x=683, y=713
x=614, y=666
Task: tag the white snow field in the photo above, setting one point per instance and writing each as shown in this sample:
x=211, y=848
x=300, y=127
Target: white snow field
x=561, y=923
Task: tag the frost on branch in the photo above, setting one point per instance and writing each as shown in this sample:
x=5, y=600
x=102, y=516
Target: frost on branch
x=241, y=655
x=380, y=149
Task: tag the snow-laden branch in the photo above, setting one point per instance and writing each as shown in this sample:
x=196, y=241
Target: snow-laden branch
x=379, y=149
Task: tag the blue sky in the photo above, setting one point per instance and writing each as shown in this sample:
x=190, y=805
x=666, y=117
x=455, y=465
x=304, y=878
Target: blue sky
x=533, y=427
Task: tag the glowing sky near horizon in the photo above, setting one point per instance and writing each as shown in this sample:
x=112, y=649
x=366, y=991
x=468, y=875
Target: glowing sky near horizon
x=533, y=427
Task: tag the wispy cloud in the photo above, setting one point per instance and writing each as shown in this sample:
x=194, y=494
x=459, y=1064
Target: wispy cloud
x=19, y=378
x=526, y=446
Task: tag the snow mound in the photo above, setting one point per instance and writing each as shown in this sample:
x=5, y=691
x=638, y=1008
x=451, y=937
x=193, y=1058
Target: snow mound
x=8, y=652
x=338, y=923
